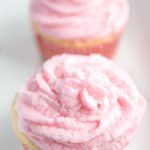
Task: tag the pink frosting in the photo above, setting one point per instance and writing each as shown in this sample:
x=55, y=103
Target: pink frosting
x=80, y=103
x=75, y=19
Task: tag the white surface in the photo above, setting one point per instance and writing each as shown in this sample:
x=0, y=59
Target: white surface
x=19, y=59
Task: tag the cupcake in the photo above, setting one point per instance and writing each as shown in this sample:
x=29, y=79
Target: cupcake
x=78, y=26
x=77, y=102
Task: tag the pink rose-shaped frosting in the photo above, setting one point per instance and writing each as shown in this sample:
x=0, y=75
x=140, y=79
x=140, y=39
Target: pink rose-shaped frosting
x=77, y=19
x=79, y=103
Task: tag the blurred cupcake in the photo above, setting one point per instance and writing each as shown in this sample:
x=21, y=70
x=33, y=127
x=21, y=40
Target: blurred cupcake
x=78, y=103
x=78, y=26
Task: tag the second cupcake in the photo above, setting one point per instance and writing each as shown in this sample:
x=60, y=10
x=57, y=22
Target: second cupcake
x=78, y=26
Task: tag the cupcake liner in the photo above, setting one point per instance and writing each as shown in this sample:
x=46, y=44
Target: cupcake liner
x=27, y=143
x=26, y=147
x=50, y=46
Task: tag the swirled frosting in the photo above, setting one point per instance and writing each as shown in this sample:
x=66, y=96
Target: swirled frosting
x=79, y=103
x=77, y=19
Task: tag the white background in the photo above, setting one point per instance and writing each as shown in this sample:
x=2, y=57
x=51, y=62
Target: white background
x=19, y=59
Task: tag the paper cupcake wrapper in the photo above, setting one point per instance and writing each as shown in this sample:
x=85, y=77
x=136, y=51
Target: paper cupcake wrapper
x=50, y=46
x=27, y=143
x=26, y=147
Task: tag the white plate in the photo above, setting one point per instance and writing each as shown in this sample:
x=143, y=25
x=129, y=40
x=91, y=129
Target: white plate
x=16, y=65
